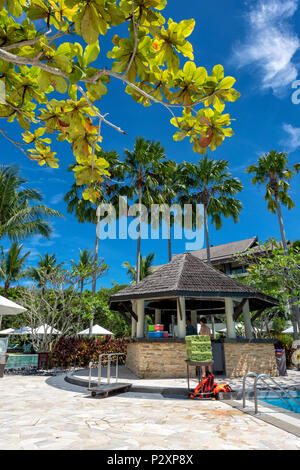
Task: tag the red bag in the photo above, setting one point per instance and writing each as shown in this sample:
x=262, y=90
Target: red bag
x=207, y=388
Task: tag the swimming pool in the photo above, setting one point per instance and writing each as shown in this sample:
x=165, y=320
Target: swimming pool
x=17, y=361
x=272, y=399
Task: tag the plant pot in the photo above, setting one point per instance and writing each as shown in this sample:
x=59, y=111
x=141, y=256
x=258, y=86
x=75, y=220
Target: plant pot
x=43, y=360
x=3, y=360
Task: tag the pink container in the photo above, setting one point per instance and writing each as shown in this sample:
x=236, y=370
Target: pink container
x=158, y=327
x=166, y=334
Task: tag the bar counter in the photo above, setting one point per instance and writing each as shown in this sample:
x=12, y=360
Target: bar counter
x=165, y=357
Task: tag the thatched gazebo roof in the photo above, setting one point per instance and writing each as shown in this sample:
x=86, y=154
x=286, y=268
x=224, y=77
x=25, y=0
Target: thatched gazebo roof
x=187, y=276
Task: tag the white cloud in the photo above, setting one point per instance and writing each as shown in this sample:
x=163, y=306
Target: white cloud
x=271, y=43
x=293, y=141
x=57, y=198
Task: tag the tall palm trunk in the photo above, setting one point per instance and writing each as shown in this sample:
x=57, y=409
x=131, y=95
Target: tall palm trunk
x=94, y=275
x=138, y=249
x=292, y=305
x=169, y=243
x=206, y=234
x=282, y=231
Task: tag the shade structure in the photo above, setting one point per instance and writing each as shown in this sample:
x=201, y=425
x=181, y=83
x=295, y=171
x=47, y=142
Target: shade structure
x=7, y=331
x=289, y=330
x=237, y=325
x=191, y=278
x=46, y=329
x=7, y=307
x=25, y=330
x=96, y=330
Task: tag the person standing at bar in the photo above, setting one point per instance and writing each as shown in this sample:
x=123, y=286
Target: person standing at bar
x=204, y=330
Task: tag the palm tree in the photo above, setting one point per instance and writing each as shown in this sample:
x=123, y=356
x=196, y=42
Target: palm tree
x=47, y=265
x=170, y=186
x=12, y=265
x=84, y=266
x=19, y=218
x=272, y=171
x=143, y=165
x=211, y=184
x=109, y=190
x=146, y=267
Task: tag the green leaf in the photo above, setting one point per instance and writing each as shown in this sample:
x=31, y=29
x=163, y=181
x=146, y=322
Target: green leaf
x=59, y=83
x=89, y=24
x=14, y=8
x=218, y=72
x=91, y=53
x=226, y=83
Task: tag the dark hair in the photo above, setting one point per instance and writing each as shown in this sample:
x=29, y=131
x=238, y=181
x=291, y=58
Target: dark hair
x=203, y=320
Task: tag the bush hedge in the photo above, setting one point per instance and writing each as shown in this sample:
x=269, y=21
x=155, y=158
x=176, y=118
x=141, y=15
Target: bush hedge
x=75, y=351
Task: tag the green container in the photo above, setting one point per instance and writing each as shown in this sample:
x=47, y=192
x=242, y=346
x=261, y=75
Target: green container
x=150, y=327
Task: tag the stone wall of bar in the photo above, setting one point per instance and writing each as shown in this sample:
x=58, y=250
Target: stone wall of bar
x=158, y=359
x=244, y=357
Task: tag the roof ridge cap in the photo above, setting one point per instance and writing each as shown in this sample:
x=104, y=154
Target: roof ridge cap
x=181, y=269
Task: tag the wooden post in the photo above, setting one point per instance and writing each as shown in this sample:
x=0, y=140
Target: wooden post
x=229, y=311
x=247, y=320
x=213, y=330
x=194, y=318
x=133, y=320
x=181, y=317
x=140, y=311
x=157, y=319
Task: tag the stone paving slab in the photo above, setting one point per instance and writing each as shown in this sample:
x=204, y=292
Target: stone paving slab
x=49, y=413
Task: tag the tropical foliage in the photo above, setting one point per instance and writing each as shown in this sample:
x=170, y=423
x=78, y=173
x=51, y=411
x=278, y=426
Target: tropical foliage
x=21, y=212
x=52, y=85
x=146, y=265
x=210, y=183
x=12, y=265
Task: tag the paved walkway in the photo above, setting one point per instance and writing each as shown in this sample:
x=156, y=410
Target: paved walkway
x=49, y=413
x=291, y=381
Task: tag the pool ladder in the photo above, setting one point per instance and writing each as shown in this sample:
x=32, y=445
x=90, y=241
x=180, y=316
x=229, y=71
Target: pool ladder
x=262, y=377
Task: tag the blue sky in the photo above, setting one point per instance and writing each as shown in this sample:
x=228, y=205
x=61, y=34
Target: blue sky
x=257, y=42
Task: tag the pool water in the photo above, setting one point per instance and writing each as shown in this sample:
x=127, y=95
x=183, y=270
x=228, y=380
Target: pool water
x=17, y=361
x=274, y=400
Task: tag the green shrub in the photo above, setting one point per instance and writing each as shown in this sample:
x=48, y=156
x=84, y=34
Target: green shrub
x=75, y=351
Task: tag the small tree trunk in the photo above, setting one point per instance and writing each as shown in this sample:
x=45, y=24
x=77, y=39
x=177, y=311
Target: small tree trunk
x=95, y=276
x=206, y=234
x=6, y=286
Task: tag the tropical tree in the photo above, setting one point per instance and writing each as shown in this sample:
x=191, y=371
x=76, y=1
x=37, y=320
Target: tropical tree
x=171, y=185
x=47, y=266
x=210, y=183
x=85, y=208
x=272, y=171
x=21, y=214
x=87, y=268
x=146, y=265
x=143, y=165
x=49, y=85
x=12, y=264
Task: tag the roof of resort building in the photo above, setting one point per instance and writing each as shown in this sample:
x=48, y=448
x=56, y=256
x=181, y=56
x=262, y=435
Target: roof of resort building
x=188, y=276
x=226, y=251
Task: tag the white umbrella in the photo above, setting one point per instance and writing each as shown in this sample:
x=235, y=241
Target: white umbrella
x=237, y=325
x=289, y=330
x=96, y=330
x=7, y=307
x=7, y=331
x=25, y=330
x=46, y=329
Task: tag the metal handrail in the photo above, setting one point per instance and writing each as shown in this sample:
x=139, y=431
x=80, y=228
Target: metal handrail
x=285, y=392
x=99, y=365
x=250, y=374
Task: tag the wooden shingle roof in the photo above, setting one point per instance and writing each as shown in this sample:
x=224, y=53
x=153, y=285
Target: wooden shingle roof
x=188, y=276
